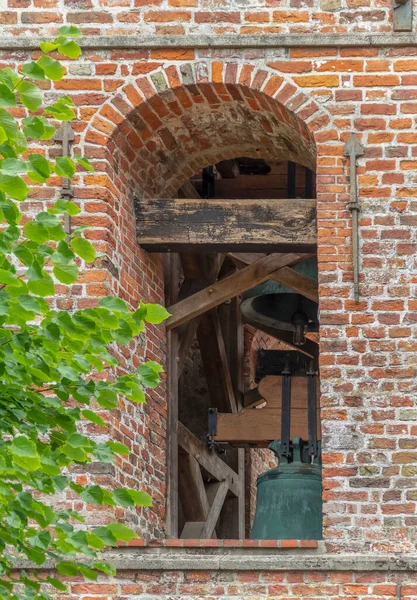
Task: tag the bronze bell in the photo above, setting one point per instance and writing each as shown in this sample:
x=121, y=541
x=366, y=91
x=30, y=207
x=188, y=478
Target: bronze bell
x=272, y=307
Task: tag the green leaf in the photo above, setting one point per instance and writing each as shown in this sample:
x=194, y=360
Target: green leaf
x=105, y=567
x=113, y=303
x=3, y=135
x=13, y=186
x=40, y=165
x=7, y=97
x=60, y=111
x=52, y=68
x=48, y=47
x=24, y=453
x=67, y=568
x=141, y=498
x=84, y=162
x=94, y=541
x=107, y=398
x=93, y=495
x=66, y=207
x=13, y=166
x=57, y=584
x=155, y=313
x=83, y=248
x=68, y=372
x=34, y=71
x=69, y=48
x=65, y=167
x=38, y=128
x=72, y=30
x=149, y=373
x=36, y=232
x=66, y=273
x=9, y=278
x=30, y=95
x=122, y=497
x=93, y=417
x=121, y=532
x=118, y=448
x=106, y=535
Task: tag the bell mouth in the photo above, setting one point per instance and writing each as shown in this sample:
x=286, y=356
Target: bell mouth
x=273, y=313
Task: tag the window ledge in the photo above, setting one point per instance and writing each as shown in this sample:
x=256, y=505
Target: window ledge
x=199, y=543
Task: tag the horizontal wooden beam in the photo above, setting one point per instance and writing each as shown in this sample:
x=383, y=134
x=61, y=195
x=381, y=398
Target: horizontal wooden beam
x=230, y=287
x=209, y=461
x=262, y=425
x=182, y=225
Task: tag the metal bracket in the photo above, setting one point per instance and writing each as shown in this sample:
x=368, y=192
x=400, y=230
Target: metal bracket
x=353, y=148
x=402, y=15
x=65, y=135
x=311, y=412
x=286, y=412
x=212, y=432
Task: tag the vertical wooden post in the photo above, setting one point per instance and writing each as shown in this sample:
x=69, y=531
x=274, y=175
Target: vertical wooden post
x=171, y=277
x=233, y=333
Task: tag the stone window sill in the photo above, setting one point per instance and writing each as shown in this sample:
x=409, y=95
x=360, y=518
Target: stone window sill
x=184, y=543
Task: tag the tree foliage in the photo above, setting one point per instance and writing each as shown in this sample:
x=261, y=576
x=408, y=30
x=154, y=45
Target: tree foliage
x=50, y=360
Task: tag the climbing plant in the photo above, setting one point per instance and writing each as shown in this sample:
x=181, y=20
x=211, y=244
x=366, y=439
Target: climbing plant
x=52, y=362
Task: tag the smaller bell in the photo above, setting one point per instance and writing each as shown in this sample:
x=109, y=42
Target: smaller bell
x=272, y=307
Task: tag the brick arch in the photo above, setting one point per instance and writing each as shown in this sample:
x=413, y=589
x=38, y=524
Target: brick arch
x=162, y=127
x=150, y=137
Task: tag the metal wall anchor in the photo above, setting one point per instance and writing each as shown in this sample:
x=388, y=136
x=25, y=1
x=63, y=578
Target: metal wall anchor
x=353, y=148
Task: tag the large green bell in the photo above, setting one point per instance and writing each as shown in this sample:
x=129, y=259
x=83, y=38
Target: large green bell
x=272, y=307
x=289, y=498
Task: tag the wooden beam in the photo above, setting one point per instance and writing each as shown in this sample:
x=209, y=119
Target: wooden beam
x=215, y=363
x=260, y=426
x=289, y=277
x=187, y=340
x=216, y=225
x=171, y=269
x=215, y=509
x=209, y=461
x=192, y=492
x=230, y=287
x=187, y=190
x=299, y=283
x=253, y=398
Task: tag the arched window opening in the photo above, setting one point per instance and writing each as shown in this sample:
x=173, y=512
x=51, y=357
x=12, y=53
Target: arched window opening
x=234, y=363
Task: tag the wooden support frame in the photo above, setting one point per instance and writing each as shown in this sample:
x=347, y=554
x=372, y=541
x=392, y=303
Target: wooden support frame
x=232, y=286
x=185, y=224
x=286, y=276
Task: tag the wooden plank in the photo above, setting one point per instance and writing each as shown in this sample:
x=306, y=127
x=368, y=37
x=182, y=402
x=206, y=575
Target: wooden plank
x=232, y=521
x=192, y=492
x=299, y=283
x=261, y=425
x=230, y=287
x=215, y=363
x=309, y=348
x=171, y=268
x=215, y=509
x=209, y=461
x=257, y=425
x=216, y=225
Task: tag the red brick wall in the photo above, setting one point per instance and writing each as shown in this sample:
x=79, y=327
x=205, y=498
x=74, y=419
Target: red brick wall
x=132, y=17
x=147, y=128
x=187, y=585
